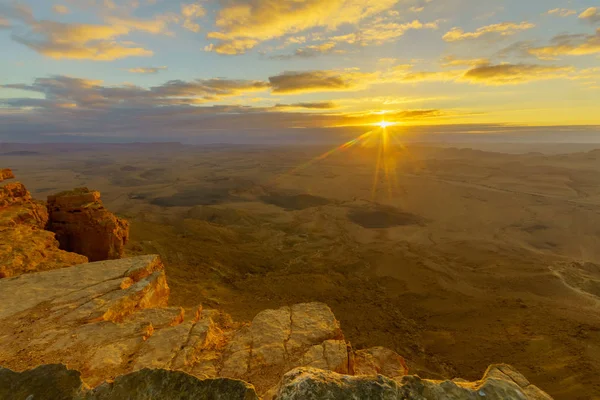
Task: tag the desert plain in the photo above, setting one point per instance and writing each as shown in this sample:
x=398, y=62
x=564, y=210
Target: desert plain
x=458, y=258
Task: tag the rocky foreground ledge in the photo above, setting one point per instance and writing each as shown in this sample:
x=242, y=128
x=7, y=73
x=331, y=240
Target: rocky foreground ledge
x=109, y=323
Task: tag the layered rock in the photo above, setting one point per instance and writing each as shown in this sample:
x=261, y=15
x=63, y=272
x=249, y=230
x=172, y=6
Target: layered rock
x=110, y=318
x=82, y=225
x=24, y=244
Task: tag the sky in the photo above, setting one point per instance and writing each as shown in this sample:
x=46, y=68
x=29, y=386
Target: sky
x=294, y=70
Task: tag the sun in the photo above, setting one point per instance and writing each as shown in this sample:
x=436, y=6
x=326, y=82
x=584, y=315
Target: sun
x=384, y=124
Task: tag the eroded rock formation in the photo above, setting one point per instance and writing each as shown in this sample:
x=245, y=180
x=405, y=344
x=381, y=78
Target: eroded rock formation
x=24, y=244
x=6, y=174
x=82, y=225
x=110, y=318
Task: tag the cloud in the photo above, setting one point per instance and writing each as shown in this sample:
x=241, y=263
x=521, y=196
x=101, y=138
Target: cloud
x=484, y=73
x=382, y=31
x=209, y=88
x=561, y=12
x=155, y=25
x=189, y=13
x=61, y=9
x=490, y=31
x=311, y=51
x=452, y=61
x=146, y=70
x=323, y=105
x=98, y=42
x=568, y=45
x=93, y=94
x=84, y=107
x=79, y=41
x=427, y=76
x=511, y=74
x=241, y=25
x=591, y=15
x=232, y=47
x=319, y=81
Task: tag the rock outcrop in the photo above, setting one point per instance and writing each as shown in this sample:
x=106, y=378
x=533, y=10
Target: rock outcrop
x=110, y=318
x=56, y=382
x=6, y=174
x=83, y=226
x=500, y=382
x=24, y=244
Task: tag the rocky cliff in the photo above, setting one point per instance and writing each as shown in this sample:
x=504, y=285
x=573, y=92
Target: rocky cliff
x=109, y=321
x=72, y=228
x=84, y=226
x=24, y=244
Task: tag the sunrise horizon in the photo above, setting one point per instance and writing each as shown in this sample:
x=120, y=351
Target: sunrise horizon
x=156, y=70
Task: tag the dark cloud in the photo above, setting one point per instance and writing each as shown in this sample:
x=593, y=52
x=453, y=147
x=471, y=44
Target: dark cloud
x=508, y=74
x=324, y=105
x=568, y=45
x=90, y=93
x=86, y=108
x=315, y=81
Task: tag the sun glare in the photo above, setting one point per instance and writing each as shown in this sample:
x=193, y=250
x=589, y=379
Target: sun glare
x=384, y=124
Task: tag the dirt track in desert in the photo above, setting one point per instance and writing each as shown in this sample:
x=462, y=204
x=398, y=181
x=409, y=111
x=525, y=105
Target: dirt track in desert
x=467, y=258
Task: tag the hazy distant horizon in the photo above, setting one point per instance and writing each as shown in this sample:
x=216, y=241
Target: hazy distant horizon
x=442, y=134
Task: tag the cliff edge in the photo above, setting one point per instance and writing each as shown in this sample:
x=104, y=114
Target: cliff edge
x=110, y=322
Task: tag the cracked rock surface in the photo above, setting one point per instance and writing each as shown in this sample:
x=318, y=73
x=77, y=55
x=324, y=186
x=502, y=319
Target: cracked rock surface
x=110, y=321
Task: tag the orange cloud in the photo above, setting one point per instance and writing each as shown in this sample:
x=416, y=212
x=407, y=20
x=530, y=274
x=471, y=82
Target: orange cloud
x=381, y=31
x=79, y=41
x=502, y=29
x=592, y=15
x=241, y=24
x=451, y=61
x=190, y=12
x=561, y=12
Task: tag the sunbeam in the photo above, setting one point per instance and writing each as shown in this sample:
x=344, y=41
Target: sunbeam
x=385, y=162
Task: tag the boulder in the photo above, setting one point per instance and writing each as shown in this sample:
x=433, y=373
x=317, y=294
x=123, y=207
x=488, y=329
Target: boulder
x=172, y=385
x=56, y=382
x=82, y=225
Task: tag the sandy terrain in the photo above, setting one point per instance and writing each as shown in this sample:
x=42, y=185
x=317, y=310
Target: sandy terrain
x=471, y=258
